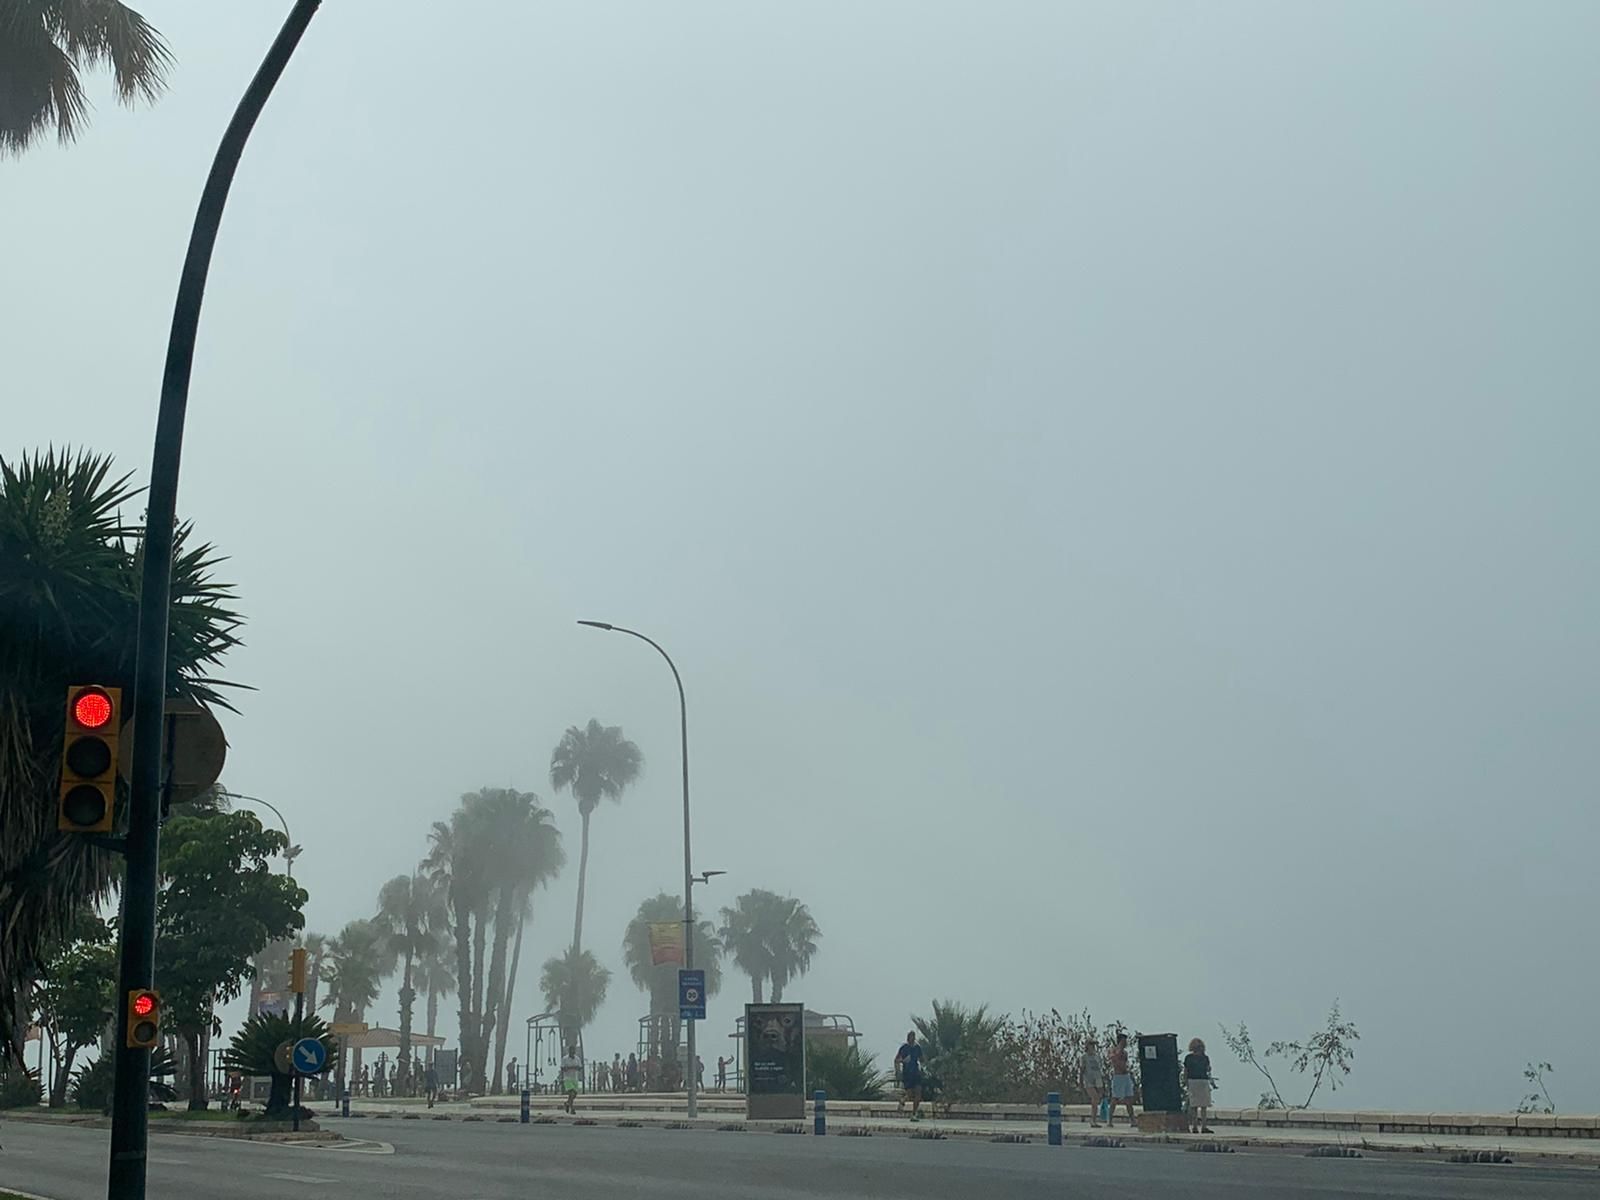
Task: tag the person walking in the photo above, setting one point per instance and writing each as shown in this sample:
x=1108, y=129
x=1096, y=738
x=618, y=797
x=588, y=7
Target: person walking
x=908, y=1066
x=1121, y=1079
x=571, y=1077
x=722, y=1073
x=1197, y=1075
x=1092, y=1077
x=633, y=1072
x=616, y=1073
x=511, y=1076
x=432, y=1082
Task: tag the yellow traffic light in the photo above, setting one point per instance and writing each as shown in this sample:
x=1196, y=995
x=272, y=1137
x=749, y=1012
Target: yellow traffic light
x=144, y=1018
x=87, y=801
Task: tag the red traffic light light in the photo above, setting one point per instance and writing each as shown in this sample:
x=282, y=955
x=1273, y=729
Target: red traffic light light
x=92, y=708
x=144, y=1018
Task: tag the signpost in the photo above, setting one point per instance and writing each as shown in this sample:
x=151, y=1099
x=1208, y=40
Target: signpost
x=195, y=750
x=692, y=997
x=310, y=1056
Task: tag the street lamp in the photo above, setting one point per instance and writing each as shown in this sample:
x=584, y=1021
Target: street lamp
x=290, y=851
x=688, y=871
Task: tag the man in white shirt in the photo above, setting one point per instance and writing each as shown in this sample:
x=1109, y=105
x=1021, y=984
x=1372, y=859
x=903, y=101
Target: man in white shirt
x=571, y=1077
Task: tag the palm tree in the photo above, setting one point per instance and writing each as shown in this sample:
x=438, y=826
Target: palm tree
x=575, y=985
x=459, y=872
x=525, y=854
x=69, y=584
x=437, y=978
x=357, y=962
x=410, y=909
x=772, y=939
x=596, y=763
x=659, y=981
x=316, y=947
x=46, y=44
x=955, y=1034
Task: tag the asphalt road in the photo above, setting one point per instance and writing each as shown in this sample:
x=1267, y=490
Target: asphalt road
x=491, y=1161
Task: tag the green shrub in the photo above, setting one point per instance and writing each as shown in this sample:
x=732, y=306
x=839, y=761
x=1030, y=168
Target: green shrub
x=20, y=1089
x=91, y=1086
x=845, y=1074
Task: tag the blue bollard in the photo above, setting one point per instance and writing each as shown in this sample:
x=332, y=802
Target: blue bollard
x=344, y=1103
x=527, y=1105
x=1052, y=1108
x=819, y=1109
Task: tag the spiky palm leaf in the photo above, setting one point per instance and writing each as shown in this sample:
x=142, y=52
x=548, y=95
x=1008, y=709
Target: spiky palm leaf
x=69, y=579
x=45, y=46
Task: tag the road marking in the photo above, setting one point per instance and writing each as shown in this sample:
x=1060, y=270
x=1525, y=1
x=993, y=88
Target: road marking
x=291, y=1178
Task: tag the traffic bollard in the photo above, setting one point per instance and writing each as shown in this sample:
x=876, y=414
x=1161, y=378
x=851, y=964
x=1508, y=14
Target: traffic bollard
x=819, y=1110
x=1052, y=1107
x=527, y=1105
x=344, y=1103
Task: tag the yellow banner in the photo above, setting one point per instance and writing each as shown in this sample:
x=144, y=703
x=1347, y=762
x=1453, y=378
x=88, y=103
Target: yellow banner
x=666, y=942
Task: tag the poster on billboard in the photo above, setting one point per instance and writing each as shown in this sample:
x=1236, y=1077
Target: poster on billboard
x=775, y=1057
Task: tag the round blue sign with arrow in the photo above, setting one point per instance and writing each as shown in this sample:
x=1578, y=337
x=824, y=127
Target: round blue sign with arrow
x=310, y=1056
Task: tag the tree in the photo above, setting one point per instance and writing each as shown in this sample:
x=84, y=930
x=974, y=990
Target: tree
x=45, y=46
x=220, y=903
x=358, y=960
x=75, y=997
x=410, y=915
x=844, y=1073
x=437, y=976
x=497, y=849
x=1326, y=1054
x=960, y=1049
x=1537, y=1099
x=659, y=981
x=596, y=763
x=254, y=1048
x=69, y=579
x=772, y=939
x=575, y=985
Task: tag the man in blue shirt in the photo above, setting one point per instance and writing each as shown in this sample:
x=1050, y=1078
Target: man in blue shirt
x=908, y=1065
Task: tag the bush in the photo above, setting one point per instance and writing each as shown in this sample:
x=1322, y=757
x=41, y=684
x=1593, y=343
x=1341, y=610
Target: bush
x=20, y=1089
x=91, y=1086
x=845, y=1074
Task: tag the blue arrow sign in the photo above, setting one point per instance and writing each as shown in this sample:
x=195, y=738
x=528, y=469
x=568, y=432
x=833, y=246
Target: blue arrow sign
x=692, y=995
x=310, y=1056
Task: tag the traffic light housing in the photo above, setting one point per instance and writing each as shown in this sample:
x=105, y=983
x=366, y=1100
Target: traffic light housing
x=87, y=801
x=144, y=1018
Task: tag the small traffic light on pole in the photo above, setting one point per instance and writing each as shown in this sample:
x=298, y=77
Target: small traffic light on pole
x=87, y=801
x=144, y=1018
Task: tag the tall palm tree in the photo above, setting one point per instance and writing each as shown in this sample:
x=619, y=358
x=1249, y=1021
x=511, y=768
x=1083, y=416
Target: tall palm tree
x=69, y=586
x=357, y=962
x=575, y=985
x=44, y=47
x=660, y=981
x=596, y=763
x=437, y=977
x=316, y=947
x=454, y=865
x=525, y=854
x=772, y=939
x=409, y=915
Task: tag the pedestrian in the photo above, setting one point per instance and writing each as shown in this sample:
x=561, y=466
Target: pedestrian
x=616, y=1073
x=1092, y=1076
x=364, y=1084
x=633, y=1072
x=1121, y=1079
x=571, y=1077
x=699, y=1073
x=1197, y=1074
x=908, y=1065
x=511, y=1075
x=432, y=1084
x=722, y=1073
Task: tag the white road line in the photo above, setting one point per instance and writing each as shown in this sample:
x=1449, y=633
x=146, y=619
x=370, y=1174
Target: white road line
x=285, y=1175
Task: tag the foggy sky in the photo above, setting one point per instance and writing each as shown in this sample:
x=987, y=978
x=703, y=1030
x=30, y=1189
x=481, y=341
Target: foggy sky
x=1117, y=479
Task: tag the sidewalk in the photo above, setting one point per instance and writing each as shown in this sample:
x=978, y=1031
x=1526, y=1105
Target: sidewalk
x=1011, y=1121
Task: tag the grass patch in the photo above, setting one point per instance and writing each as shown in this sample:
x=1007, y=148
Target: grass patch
x=203, y=1114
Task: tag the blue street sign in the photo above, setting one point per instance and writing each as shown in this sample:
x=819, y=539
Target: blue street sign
x=310, y=1056
x=692, y=995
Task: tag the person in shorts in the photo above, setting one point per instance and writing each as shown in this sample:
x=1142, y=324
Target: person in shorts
x=1197, y=1074
x=1092, y=1077
x=1121, y=1079
x=431, y=1080
x=908, y=1065
x=571, y=1078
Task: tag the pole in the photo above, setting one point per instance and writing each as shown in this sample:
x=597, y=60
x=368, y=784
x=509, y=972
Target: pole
x=288, y=858
x=131, y=1091
x=299, y=1079
x=688, y=870
x=819, y=1113
x=1052, y=1126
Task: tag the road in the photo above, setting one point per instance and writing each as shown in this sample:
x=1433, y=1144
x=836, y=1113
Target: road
x=491, y=1161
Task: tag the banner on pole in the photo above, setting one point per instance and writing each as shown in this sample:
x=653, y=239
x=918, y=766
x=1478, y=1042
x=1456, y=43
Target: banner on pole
x=666, y=942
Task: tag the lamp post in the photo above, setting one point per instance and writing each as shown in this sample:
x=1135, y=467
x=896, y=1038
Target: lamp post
x=290, y=851
x=688, y=871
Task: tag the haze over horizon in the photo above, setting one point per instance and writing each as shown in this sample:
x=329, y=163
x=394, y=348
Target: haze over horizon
x=1117, y=479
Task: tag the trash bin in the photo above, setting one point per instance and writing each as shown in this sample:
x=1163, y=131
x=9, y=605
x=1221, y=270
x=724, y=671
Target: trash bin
x=1159, y=1072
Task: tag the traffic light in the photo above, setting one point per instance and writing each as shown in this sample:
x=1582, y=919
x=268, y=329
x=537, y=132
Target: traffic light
x=87, y=802
x=144, y=1018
